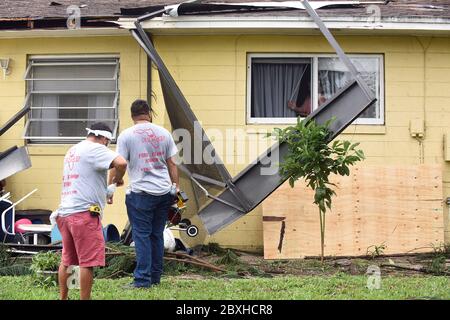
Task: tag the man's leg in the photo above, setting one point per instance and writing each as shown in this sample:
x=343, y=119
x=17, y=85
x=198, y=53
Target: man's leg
x=86, y=281
x=157, y=237
x=69, y=255
x=62, y=281
x=141, y=227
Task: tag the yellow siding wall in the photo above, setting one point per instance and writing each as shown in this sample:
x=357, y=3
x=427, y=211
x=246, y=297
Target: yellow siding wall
x=47, y=160
x=211, y=71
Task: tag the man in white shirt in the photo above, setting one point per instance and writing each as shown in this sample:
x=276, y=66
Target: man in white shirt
x=86, y=166
x=149, y=150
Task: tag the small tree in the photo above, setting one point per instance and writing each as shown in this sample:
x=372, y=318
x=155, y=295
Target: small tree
x=312, y=158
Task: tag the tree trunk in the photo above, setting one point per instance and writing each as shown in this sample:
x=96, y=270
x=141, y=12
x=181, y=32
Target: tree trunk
x=322, y=234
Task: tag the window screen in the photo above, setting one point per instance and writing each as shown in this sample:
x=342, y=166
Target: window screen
x=333, y=75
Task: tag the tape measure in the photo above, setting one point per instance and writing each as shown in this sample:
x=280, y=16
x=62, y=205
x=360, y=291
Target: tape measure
x=182, y=198
x=95, y=210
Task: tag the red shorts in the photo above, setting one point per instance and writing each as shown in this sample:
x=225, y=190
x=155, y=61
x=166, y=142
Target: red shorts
x=82, y=240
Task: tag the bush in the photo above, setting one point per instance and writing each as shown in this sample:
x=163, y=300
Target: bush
x=44, y=267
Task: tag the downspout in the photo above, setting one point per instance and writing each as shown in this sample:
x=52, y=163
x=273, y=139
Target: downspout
x=150, y=93
x=425, y=44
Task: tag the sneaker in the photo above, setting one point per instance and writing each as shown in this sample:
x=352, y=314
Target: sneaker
x=131, y=286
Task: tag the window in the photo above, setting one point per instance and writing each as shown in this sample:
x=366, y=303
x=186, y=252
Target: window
x=283, y=87
x=67, y=95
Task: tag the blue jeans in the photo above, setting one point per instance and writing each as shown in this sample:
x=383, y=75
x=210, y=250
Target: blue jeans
x=148, y=216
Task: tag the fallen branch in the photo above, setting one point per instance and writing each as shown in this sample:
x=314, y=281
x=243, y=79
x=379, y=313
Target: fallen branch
x=115, y=273
x=208, y=266
x=178, y=254
x=112, y=250
x=170, y=257
x=416, y=268
x=116, y=254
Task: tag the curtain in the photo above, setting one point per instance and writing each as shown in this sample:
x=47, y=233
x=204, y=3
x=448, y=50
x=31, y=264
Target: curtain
x=45, y=128
x=273, y=85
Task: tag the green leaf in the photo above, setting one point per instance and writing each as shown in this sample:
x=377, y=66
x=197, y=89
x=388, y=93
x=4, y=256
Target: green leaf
x=291, y=182
x=346, y=145
x=360, y=154
x=346, y=170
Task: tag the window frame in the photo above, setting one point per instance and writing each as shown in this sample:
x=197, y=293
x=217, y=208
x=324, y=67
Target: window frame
x=315, y=87
x=70, y=60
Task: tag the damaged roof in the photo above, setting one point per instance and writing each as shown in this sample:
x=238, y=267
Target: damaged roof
x=52, y=14
x=57, y=9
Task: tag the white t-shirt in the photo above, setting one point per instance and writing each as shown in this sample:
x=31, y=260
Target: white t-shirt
x=146, y=147
x=84, y=182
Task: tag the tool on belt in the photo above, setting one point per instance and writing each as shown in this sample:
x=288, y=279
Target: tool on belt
x=95, y=210
x=177, y=208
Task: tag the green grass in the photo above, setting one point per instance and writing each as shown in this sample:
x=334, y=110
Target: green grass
x=339, y=286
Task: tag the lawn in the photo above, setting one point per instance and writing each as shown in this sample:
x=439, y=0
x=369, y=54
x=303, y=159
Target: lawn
x=337, y=286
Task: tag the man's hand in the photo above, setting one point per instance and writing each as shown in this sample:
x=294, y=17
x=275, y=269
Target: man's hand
x=110, y=200
x=118, y=169
x=173, y=172
x=118, y=183
x=291, y=105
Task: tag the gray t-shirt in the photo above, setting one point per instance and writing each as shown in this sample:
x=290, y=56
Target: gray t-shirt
x=146, y=147
x=86, y=167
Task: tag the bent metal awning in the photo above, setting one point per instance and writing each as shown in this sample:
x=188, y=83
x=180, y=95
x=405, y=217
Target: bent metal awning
x=230, y=198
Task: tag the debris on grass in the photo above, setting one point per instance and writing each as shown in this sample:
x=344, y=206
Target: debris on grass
x=213, y=248
x=116, y=267
x=8, y=265
x=120, y=261
x=212, y=260
x=4, y=256
x=229, y=258
x=15, y=270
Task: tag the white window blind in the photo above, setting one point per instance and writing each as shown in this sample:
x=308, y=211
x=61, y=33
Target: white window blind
x=67, y=95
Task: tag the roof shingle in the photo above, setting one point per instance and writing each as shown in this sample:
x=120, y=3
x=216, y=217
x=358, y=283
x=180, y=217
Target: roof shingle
x=42, y=9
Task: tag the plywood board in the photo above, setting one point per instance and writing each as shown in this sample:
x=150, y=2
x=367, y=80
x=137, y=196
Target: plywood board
x=400, y=207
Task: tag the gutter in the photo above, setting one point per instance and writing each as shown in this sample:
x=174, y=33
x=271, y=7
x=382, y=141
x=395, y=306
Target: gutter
x=274, y=24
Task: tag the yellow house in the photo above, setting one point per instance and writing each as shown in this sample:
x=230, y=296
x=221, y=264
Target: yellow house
x=219, y=62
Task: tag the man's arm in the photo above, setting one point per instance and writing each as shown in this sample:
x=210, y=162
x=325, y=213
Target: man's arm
x=118, y=169
x=173, y=172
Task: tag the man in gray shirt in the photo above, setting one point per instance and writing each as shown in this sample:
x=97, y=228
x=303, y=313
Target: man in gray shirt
x=149, y=150
x=84, y=185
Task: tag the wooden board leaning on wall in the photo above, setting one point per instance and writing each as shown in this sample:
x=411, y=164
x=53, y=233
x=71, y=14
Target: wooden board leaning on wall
x=400, y=207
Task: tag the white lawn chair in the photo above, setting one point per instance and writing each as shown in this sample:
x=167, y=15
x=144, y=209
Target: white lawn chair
x=34, y=229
